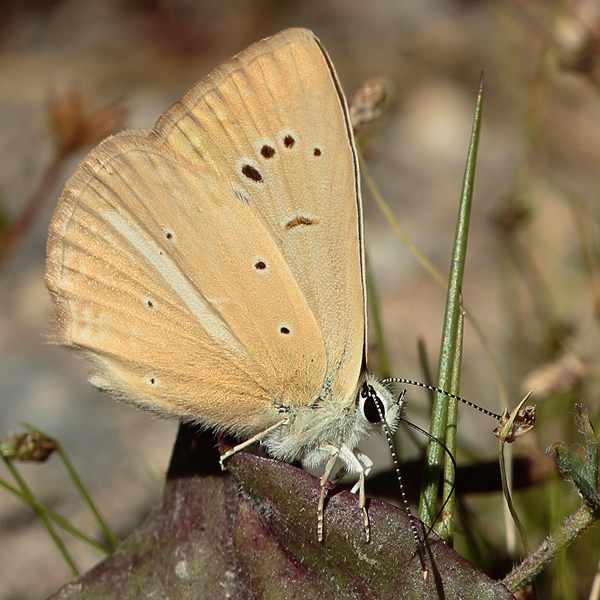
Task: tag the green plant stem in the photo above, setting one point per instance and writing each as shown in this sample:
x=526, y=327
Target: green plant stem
x=435, y=274
x=110, y=536
x=448, y=350
x=41, y=515
x=509, y=503
x=544, y=555
x=53, y=516
x=446, y=525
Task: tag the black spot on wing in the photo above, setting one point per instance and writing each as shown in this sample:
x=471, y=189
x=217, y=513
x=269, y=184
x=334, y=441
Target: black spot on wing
x=267, y=151
x=300, y=220
x=252, y=173
x=168, y=235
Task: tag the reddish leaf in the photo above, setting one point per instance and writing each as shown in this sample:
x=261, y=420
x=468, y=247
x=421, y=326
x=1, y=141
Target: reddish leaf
x=251, y=534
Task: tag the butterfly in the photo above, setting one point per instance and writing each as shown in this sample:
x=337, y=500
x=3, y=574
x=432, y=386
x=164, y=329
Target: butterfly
x=212, y=268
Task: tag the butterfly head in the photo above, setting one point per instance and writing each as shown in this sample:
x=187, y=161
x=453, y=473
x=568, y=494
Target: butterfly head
x=313, y=434
x=376, y=403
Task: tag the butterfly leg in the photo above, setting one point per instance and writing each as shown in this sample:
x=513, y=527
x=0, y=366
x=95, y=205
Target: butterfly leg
x=340, y=474
x=324, y=478
x=360, y=463
x=255, y=438
x=367, y=464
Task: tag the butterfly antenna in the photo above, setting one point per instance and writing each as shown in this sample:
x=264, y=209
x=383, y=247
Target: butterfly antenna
x=433, y=438
x=432, y=388
x=412, y=520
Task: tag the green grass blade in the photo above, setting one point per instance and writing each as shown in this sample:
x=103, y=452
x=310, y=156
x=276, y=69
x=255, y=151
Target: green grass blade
x=40, y=508
x=110, y=536
x=448, y=351
x=41, y=515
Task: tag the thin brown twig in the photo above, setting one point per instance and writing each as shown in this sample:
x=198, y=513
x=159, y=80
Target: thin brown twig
x=15, y=232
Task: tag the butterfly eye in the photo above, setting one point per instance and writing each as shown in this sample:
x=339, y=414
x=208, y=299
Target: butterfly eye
x=372, y=407
x=370, y=410
x=317, y=152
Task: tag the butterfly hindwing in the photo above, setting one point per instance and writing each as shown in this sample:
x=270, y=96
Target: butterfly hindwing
x=158, y=275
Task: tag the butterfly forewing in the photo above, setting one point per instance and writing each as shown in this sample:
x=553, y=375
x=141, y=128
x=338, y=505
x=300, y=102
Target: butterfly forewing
x=212, y=268
x=290, y=153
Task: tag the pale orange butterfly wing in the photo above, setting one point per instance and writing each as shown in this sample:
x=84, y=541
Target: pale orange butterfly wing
x=274, y=121
x=205, y=278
